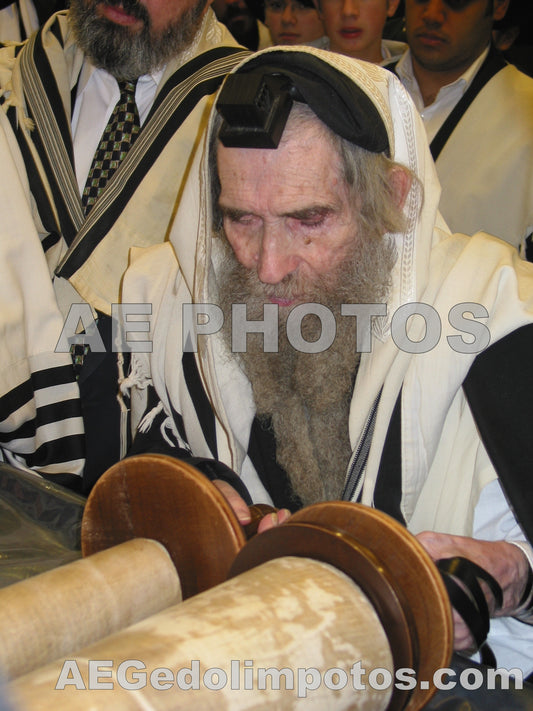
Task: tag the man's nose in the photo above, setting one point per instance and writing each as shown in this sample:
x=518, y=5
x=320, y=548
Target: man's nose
x=277, y=258
x=288, y=15
x=434, y=11
x=350, y=8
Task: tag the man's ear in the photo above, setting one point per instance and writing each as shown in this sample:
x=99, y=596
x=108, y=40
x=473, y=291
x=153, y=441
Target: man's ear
x=392, y=6
x=500, y=8
x=400, y=183
x=316, y=3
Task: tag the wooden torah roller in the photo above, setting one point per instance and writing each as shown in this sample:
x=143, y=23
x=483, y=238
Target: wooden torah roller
x=167, y=500
x=154, y=496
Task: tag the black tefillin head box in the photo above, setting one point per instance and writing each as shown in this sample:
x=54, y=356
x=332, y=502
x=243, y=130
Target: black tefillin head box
x=255, y=109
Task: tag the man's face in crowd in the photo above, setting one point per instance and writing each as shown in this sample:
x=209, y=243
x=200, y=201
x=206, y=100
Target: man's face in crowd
x=237, y=16
x=129, y=38
x=447, y=36
x=292, y=22
x=355, y=27
x=287, y=214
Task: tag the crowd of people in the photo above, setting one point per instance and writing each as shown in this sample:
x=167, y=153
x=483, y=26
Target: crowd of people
x=369, y=199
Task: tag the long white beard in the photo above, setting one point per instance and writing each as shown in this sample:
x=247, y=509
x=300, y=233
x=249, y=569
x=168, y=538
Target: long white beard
x=308, y=395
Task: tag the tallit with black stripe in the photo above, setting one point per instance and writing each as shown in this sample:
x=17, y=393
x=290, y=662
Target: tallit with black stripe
x=40, y=422
x=39, y=96
x=41, y=428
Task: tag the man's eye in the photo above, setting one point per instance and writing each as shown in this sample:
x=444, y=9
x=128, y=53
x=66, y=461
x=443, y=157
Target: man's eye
x=311, y=224
x=312, y=221
x=239, y=219
x=458, y=4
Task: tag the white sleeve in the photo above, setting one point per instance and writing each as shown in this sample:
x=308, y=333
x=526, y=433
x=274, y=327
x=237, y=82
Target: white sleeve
x=511, y=640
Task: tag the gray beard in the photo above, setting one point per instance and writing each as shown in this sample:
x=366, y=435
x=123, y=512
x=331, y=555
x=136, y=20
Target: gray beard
x=127, y=55
x=307, y=395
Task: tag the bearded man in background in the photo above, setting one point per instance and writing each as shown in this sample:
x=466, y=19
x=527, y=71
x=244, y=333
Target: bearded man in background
x=97, y=80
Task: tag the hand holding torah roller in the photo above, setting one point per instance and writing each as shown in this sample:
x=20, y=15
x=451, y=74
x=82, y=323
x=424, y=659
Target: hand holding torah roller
x=209, y=524
x=479, y=566
x=154, y=496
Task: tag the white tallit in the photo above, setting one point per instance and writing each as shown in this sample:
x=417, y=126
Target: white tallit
x=15, y=17
x=444, y=464
x=40, y=421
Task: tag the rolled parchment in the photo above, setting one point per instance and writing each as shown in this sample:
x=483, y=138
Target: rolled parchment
x=290, y=633
x=65, y=609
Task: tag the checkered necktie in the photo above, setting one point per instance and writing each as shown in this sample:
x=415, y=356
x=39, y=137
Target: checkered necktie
x=117, y=138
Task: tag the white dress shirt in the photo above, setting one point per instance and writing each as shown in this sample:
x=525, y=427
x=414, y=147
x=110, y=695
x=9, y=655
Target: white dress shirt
x=436, y=113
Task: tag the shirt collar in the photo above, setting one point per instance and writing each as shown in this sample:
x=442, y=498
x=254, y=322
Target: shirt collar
x=404, y=69
x=88, y=70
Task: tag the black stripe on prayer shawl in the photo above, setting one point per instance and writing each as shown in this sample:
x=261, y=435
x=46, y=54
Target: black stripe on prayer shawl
x=50, y=377
x=388, y=489
x=36, y=184
x=15, y=399
x=499, y=388
x=154, y=136
x=56, y=451
x=40, y=380
x=178, y=421
x=359, y=458
x=262, y=453
x=55, y=27
x=194, y=65
x=46, y=415
x=22, y=29
x=59, y=447
x=49, y=81
x=51, y=137
x=493, y=63
x=202, y=406
x=37, y=187
x=68, y=481
x=50, y=240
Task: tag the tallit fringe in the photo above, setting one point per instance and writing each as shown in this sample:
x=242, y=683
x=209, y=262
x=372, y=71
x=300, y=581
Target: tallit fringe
x=124, y=409
x=148, y=419
x=136, y=378
x=12, y=101
x=10, y=96
x=167, y=424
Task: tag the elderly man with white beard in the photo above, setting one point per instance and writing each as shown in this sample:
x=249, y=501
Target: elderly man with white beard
x=320, y=207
